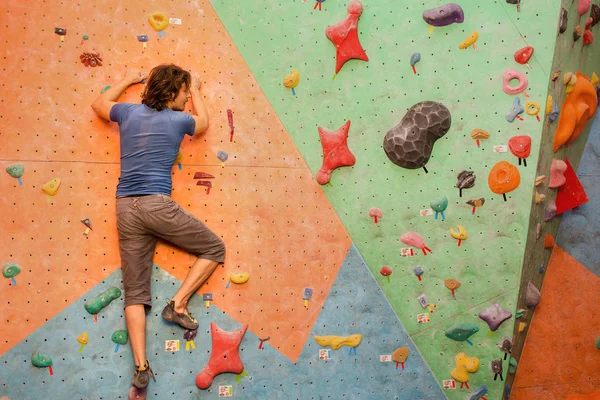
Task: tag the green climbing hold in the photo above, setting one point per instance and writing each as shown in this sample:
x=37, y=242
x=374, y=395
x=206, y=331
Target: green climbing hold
x=41, y=360
x=598, y=342
x=440, y=205
x=103, y=299
x=105, y=88
x=120, y=337
x=10, y=270
x=16, y=170
x=521, y=312
x=461, y=332
x=512, y=366
x=85, y=37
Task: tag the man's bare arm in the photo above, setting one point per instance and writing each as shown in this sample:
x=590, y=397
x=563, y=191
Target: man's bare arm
x=200, y=111
x=107, y=100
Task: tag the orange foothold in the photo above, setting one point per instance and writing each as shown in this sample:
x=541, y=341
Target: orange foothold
x=548, y=241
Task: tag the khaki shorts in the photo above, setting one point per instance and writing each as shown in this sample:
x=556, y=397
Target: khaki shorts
x=141, y=221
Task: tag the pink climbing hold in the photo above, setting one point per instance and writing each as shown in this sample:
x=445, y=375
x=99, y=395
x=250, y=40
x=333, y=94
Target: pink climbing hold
x=335, y=152
x=375, y=213
x=415, y=240
x=557, y=173
x=344, y=36
x=224, y=357
x=583, y=6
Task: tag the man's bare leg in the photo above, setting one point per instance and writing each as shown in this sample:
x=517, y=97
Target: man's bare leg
x=135, y=316
x=198, y=274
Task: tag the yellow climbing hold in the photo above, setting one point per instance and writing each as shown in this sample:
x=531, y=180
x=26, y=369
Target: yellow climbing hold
x=595, y=79
x=335, y=342
x=239, y=278
x=532, y=108
x=291, y=81
x=179, y=157
x=464, y=365
x=470, y=41
x=158, y=21
x=549, y=105
x=83, y=339
x=51, y=187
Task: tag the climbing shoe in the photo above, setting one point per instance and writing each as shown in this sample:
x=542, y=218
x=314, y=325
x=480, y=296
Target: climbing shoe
x=141, y=376
x=185, y=319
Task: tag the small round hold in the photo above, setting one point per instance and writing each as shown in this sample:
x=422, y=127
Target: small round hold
x=85, y=37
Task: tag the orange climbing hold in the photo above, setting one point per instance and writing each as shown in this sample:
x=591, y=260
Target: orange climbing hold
x=578, y=108
x=504, y=177
x=548, y=241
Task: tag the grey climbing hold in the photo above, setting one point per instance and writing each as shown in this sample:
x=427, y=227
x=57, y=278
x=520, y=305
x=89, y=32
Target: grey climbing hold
x=465, y=180
x=532, y=295
x=554, y=113
x=563, y=20
x=538, y=231
x=550, y=211
x=516, y=109
x=410, y=143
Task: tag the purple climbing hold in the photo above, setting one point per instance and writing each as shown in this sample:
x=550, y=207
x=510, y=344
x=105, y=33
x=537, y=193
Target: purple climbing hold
x=444, y=15
x=550, y=211
x=494, y=316
x=532, y=296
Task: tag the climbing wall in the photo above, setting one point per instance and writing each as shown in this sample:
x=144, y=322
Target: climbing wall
x=577, y=230
x=276, y=221
x=565, y=326
x=375, y=95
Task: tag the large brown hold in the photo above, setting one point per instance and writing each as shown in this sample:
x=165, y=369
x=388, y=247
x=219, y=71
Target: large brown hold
x=409, y=144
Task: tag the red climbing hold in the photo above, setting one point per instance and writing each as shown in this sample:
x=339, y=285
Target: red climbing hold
x=224, y=357
x=523, y=55
x=588, y=37
x=571, y=194
x=335, y=152
x=345, y=37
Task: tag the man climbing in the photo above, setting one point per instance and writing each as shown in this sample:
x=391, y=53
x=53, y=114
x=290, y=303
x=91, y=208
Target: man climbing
x=151, y=133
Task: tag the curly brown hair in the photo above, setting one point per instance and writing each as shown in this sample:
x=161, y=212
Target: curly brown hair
x=163, y=85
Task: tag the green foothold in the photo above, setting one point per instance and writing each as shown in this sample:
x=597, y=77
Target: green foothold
x=520, y=313
x=103, y=299
x=10, y=270
x=598, y=342
x=461, y=332
x=41, y=360
x=120, y=337
x=440, y=205
x=85, y=37
x=105, y=88
x=16, y=170
x=512, y=366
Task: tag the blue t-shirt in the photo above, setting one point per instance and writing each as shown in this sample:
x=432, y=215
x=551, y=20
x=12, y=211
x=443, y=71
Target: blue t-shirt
x=150, y=142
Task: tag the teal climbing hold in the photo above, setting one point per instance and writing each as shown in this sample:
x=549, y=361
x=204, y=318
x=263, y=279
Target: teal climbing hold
x=439, y=207
x=16, y=171
x=512, y=366
x=462, y=332
x=103, y=299
x=105, y=88
x=120, y=337
x=10, y=270
x=40, y=359
x=598, y=342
